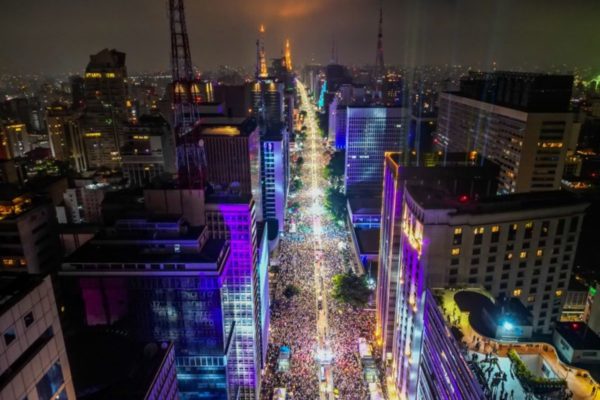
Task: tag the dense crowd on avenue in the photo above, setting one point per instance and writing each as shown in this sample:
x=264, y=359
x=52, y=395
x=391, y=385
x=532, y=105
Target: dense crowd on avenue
x=294, y=318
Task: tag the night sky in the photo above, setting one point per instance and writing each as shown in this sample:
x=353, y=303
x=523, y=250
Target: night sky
x=57, y=36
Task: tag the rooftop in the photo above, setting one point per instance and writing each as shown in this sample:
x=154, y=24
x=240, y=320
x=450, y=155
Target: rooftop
x=441, y=200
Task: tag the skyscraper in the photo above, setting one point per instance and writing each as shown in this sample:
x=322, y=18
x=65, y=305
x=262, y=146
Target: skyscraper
x=34, y=361
x=371, y=131
x=66, y=141
x=520, y=121
x=450, y=172
x=519, y=245
x=105, y=111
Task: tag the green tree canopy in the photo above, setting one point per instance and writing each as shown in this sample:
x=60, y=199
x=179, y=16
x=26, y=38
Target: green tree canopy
x=351, y=289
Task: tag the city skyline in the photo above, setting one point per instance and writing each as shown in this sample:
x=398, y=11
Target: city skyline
x=512, y=34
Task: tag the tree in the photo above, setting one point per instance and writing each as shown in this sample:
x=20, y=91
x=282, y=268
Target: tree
x=290, y=291
x=335, y=203
x=351, y=289
x=335, y=167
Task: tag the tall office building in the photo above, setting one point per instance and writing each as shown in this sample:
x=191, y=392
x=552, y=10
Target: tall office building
x=519, y=245
x=147, y=150
x=275, y=175
x=234, y=219
x=161, y=279
x=105, y=108
x=520, y=121
x=14, y=140
x=231, y=147
x=268, y=104
x=450, y=172
x=371, y=132
x=33, y=359
x=28, y=232
x=66, y=141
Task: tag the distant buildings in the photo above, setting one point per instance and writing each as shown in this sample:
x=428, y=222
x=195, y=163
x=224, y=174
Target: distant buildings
x=147, y=150
x=14, y=140
x=105, y=108
x=64, y=135
x=28, y=232
x=520, y=121
x=32, y=350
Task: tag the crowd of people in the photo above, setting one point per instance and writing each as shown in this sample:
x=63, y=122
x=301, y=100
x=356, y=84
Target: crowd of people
x=294, y=319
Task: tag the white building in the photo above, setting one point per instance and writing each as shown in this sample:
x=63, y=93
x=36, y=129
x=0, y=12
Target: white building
x=33, y=359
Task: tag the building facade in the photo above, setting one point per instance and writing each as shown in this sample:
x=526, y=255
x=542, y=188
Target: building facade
x=519, y=121
x=105, y=108
x=370, y=133
x=33, y=359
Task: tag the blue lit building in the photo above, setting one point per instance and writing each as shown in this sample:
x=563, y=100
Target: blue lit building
x=160, y=279
x=371, y=131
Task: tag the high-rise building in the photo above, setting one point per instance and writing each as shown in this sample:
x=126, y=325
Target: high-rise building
x=450, y=172
x=14, y=140
x=147, y=150
x=371, y=132
x=28, y=232
x=77, y=84
x=520, y=121
x=275, y=175
x=34, y=360
x=162, y=279
x=268, y=104
x=231, y=147
x=247, y=289
x=519, y=246
x=66, y=141
x=105, y=108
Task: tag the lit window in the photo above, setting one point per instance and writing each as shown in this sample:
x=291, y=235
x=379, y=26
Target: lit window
x=529, y=225
x=539, y=253
x=457, y=231
x=558, y=293
x=509, y=256
x=523, y=254
x=516, y=292
x=495, y=228
x=530, y=299
x=515, y=226
x=455, y=251
x=478, y=231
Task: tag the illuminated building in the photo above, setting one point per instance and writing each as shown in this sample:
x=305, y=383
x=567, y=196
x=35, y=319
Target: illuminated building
x=519, y=245
x=147, y=150
x=28, y=232
x=14, y=140
x=66, y=141
x=162, y=279
x=370, y=132
x=268, y=104
x=443, y=372
x=520, y=121
x=275, y=175
x=234, y=218
x=34, y=360
x=231, y=147
x=449, y=172
x=105, y=108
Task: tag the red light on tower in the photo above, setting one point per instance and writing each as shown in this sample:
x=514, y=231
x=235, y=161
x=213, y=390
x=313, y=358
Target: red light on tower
x=575, y=325
x=463, y=198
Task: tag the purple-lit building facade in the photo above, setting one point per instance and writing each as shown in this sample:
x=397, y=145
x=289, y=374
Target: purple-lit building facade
x=520, y=246
x=451, y=172
x=443, y=370
x=202, y=286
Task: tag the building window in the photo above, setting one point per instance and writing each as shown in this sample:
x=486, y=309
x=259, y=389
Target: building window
x=9, y=335
x=523, y=254
x=50, y=382
x=28, y=319
x=531, y=299
x=455, y=251
x=516, y=292
x=495, y=229
x=558, y=293
x=539, y=252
